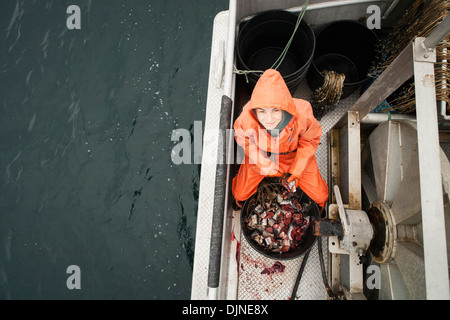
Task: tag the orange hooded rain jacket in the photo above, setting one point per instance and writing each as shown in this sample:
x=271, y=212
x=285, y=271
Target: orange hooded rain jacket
x=292, y=151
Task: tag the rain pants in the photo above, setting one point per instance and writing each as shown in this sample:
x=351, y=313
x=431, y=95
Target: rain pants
x=292, y=151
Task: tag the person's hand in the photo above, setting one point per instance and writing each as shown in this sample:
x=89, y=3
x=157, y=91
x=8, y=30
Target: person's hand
x=289, y=183
x=268, y=171
x=269, y=168
x=290, y=178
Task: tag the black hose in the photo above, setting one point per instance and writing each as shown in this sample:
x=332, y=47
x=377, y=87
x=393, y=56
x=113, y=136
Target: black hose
x=305, y=259
x=330, y=292
x=300, y=273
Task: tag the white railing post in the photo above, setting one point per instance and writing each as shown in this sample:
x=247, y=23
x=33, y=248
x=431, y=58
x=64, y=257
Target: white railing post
x=433, y=223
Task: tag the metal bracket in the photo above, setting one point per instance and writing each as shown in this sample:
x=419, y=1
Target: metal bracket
x=422, y=53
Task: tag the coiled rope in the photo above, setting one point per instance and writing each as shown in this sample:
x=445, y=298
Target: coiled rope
x=328, y=95
x=280, y=59
x=331, y=90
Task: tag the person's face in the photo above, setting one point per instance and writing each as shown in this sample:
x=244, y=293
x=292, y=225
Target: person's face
x=269, y=117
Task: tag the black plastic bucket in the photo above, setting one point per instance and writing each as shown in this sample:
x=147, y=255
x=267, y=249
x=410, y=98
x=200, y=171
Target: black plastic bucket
x=307, y=242
x=344, y=47
x=262, y=39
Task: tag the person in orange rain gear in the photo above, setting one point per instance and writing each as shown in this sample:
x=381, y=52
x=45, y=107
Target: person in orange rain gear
x=279, y=135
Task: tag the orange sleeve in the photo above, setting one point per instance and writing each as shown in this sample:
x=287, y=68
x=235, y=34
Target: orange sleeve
x=308, y=142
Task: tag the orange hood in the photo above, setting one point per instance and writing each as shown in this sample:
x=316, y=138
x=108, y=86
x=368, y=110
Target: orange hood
x=271, y=91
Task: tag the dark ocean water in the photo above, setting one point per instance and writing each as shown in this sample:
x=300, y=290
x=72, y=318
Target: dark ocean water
x=86, y=117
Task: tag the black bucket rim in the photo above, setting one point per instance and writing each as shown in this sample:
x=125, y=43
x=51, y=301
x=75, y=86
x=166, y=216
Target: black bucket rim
x=304, y=26
x=334, y=23
x=292, y=254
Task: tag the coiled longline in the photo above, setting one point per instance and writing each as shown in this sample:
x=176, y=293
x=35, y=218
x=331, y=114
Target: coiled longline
x=331, y=90
x=329, y=94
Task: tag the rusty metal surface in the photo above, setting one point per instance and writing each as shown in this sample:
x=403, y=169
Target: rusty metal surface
x=328, y=227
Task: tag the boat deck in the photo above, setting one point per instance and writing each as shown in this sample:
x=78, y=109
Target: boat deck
x=242, y=265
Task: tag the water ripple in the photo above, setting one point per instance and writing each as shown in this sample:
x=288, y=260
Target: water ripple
x=17, y=15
